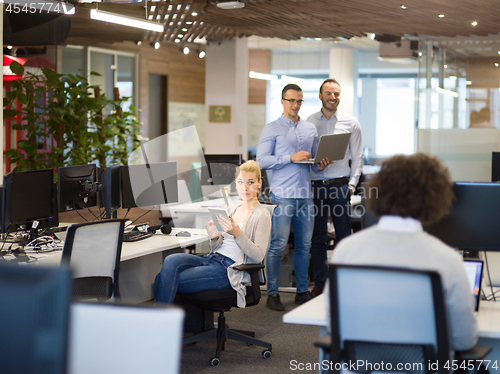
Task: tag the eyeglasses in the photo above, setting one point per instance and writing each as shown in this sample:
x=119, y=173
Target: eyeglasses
x=293, y=101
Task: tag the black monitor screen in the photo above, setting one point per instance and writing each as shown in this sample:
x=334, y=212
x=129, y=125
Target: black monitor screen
x=76, y=186
x=34, y=325
x=473, y=220
x=28, y=196
x=111, y=189
x=495, y=166
x=220, y=169
x=149, y=184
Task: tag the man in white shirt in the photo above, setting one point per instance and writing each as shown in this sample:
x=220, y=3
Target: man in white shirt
x=408, y=192
x=333, y=186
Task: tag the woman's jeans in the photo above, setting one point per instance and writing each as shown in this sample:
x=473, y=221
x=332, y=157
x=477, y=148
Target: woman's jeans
x=300, y=213
x=186, y=273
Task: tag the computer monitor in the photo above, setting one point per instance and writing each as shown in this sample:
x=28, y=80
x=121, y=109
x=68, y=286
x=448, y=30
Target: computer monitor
x=220, y=169
x=149, y=184
x=29, y=196
x=472, y=223
x=77, y=187
x=34, y=325
x=495, y=166
x=111, y=190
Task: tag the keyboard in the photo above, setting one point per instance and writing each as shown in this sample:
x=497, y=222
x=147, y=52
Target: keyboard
x=133, y=236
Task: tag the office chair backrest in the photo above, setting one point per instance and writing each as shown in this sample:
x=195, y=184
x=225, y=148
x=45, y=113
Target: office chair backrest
x=93, y=251
x=387, y=306
x=113, y=338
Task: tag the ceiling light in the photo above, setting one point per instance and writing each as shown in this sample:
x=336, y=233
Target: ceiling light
x=9, y=47
x=185, y=50
x=474, y=23
x=372, y=36
x=101, y=15
x=177, y=40
x=499, y=52
x=201, y=54
x=468, y=83
x=189, y=22
x=441, y=16
x=496, y=64
x=267, y=77
x=194, y=14
x=230, y=5
x=403, y=6
x=155, y=45
x=445, y=66
x=446, y=92
x=184, y=29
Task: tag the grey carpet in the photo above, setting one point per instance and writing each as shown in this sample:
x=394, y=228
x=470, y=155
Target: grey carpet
x=291, y=344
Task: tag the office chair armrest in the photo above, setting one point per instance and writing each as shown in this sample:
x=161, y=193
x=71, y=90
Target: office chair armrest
x=477, y=352
x=324, y=343
x=250, y=268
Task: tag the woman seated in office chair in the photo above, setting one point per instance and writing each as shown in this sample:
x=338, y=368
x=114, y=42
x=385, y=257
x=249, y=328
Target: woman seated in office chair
x=245, y=240
x=407, y=192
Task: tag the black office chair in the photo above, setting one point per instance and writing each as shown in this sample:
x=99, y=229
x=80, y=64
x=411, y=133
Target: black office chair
x=93, y=251
x=390, y=315
x=221, y=301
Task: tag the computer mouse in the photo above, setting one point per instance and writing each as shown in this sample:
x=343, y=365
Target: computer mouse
x=183, y=233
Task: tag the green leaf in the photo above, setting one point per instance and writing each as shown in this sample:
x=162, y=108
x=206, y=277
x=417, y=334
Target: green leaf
x=12, y=153
x=16, y=68
x=9, y=113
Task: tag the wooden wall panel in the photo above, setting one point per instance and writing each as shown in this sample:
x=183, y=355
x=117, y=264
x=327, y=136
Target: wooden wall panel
x=259, y=60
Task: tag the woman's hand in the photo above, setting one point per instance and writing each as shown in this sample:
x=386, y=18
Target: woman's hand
x=212, y=231
x=229, y=226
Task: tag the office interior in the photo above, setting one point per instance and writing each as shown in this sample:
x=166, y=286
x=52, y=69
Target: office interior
x=414, y=86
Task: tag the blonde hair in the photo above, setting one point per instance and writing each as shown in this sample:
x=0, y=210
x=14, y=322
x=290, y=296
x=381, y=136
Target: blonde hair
x=250, y=166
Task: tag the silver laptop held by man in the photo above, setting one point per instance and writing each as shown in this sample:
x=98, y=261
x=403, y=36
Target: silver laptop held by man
x=333, y=147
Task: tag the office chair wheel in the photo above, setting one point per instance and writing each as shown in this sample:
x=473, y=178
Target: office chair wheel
x=266, y=354
x=214, y=361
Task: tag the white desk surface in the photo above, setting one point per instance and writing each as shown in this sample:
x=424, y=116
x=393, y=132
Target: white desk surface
x=314, y=313
x=201, y=206
x=130, y=250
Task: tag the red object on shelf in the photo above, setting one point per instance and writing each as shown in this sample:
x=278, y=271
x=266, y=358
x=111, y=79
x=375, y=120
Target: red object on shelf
x=13, y=136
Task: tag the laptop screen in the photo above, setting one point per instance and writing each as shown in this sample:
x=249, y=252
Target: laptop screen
x=474, y=271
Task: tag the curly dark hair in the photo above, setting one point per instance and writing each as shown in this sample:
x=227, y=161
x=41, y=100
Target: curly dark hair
x=417, y=186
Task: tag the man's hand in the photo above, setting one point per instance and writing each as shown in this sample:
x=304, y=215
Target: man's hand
x=299, y=156
x=324, y=163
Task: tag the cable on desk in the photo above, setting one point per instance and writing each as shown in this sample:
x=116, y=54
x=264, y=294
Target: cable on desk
x=489, y=278
x=41, y=244
x=131, y=223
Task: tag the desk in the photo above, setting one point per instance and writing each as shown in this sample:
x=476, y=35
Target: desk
x=488, y=318
x=141, y=261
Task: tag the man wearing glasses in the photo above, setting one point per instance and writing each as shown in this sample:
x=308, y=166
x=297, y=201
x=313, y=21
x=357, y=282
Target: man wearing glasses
x=282, y=143
x=333, y=186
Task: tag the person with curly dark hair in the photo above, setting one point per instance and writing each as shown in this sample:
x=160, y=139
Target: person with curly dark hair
x=406, y=193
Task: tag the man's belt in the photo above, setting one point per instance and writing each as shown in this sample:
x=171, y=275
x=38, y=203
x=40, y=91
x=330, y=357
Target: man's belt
x=324, y=182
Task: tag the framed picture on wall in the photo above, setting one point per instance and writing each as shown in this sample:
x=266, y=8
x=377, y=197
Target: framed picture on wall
x=220, y=113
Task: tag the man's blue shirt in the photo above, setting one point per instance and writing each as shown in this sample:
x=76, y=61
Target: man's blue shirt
x=279, y=140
